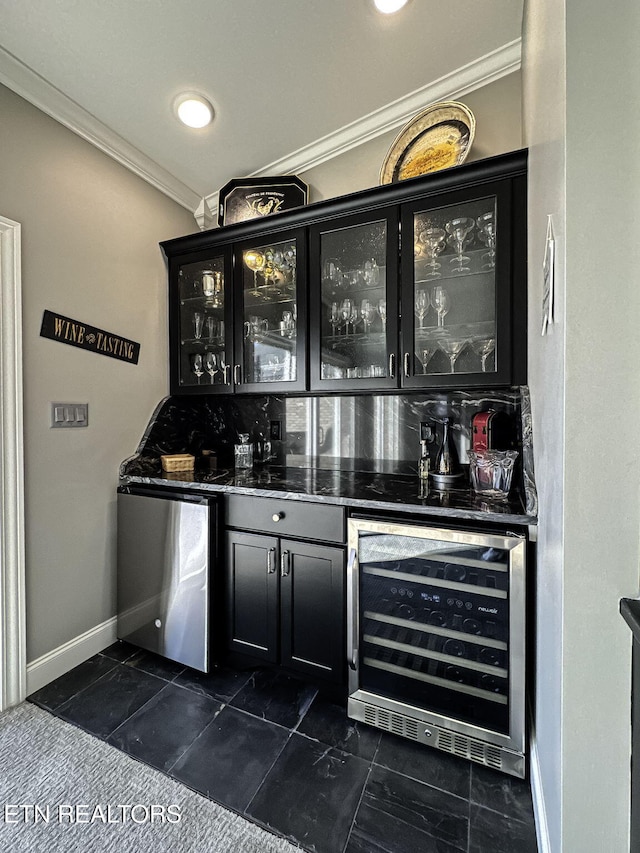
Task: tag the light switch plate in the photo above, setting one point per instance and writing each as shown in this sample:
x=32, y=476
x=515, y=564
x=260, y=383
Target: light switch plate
x=65, y=415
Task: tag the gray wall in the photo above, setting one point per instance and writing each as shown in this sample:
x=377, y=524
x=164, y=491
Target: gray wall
x=576, y=89
x=497, y=108
x=90, y=232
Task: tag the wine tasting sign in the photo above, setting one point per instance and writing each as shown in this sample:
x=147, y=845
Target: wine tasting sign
x=78, y=334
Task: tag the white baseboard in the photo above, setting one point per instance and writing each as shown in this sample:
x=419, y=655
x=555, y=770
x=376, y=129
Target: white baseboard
x=537, y=794
x=55, y=663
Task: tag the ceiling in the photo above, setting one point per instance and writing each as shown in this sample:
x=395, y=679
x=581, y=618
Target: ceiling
x=293, y=82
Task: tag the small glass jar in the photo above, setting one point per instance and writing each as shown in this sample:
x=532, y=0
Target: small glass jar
x=243, y=452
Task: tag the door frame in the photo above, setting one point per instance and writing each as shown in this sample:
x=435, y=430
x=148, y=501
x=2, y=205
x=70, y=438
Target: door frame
x=13, y=658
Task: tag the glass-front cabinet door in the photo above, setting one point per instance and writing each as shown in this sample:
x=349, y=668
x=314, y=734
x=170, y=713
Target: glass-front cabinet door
x=354, y=316
x=456, y=291
x=201, y=352
x=270, y=315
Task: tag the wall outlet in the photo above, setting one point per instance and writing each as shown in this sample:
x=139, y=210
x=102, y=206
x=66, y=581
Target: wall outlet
x=275, y=430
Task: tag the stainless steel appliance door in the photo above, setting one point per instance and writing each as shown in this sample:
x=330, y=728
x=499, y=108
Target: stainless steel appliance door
x=163, y=576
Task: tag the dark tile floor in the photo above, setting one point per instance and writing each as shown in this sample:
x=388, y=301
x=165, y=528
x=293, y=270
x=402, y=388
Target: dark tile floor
x=275, y=750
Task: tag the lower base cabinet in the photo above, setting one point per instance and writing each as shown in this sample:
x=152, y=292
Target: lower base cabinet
x=285, y=603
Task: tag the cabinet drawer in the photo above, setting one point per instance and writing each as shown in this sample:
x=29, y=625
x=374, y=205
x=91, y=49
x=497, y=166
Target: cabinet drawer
x=286, y=517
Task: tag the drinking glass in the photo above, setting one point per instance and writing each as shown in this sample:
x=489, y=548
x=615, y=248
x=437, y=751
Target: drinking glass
x=452, y=348
x=332, y=273
x=196, y=365
x=427, y=354
x=371, y=272
x=382, y=311
x=367, y=312
x=441, y=302
x=355, y=316
x=212, y=287
x=484, y=348
x=289, y=268
x=433, y=240
x=211, y=364
x=255, y=261
x=347, y=307
x=211, y=327
x=487, y=231
x=334, y=317
x=458, y=230
x=422, y=306
x=198, y=319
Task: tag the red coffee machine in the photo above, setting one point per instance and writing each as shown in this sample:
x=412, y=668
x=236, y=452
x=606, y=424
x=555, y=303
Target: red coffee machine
x=491, y=431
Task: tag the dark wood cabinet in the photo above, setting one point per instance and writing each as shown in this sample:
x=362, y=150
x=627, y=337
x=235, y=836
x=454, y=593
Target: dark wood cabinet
x=285, y=603
x=418, y=284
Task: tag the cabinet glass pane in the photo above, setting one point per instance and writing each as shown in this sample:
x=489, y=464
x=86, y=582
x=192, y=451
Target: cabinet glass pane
x=354, y=302
x=435, y=626
x=269, y=313
x=202, y=331
x=455, y=288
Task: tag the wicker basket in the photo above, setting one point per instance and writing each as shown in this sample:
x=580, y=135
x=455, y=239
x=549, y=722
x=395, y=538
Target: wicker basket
x=178, y=462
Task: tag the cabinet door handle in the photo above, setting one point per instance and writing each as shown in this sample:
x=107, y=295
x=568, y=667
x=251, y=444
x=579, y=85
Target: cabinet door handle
x=352, y=610
x=225, y=374
x=406, y=364
x=392, y=365
x=237, y=378
x=284, y=564
x=271, y=566
x=277, y=516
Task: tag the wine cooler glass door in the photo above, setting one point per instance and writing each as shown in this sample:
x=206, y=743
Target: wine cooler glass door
x=440, y=623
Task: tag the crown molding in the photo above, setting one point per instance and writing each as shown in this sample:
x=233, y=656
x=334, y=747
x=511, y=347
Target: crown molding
x=22, y=80
x=481, y=72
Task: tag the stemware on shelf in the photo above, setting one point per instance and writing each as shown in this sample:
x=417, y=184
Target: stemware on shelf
x=458, y=230
x=441, y=302
x=487, y=231
x=211, y=364
x=255, y=261
x=211, y=327
x=196, y=365
x=332, y=273
x=382, y=312
x=367, y=312
x=422, y=305
x=335, y=317
x=289, y=268
x=484, y=348
x=355, y=316
x=452, y=348
x=371, y=273
x=347, y=307
x=198, y=319
x=427, y=354
x=433, y=241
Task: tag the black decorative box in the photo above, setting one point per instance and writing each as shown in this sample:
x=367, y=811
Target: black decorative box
x=250, y=198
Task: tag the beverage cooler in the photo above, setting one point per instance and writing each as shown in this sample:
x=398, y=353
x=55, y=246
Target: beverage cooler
x=436, y=638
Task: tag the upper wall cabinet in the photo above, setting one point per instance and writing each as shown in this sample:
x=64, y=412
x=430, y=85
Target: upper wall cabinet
x=420, y=284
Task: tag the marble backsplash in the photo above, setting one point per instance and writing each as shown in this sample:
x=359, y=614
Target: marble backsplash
x=376, y=432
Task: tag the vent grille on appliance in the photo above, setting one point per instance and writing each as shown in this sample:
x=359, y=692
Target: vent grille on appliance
x=457, y=744
x=390, y=722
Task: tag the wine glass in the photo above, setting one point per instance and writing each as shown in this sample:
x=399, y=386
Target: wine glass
x=382, y=311
x=196, y=365
x=334, y=317
x=367, y=312
x=452, y=348
x=433, y=240
x=211, y=327
x=427, y=355
x=441, y=302
x=484, y=348
x=422, y=305
x=487, y=231
x=198, y=319
x=255, y=261
x=211, y=364
x=289, y=267
x=355, y=316
x=347, y=307
x=458, y=230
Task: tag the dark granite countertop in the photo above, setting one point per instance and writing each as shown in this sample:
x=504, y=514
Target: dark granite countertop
x=346, y=488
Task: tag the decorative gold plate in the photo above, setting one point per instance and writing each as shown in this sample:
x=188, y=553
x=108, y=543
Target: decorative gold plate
x=437, y=138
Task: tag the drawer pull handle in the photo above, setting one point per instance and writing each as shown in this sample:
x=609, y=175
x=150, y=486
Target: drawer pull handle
x=277, y=516
x=270, y=561
x=284, y=564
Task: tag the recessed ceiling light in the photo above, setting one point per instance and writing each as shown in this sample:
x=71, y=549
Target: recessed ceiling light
x=193, y=110
x=389, y=6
